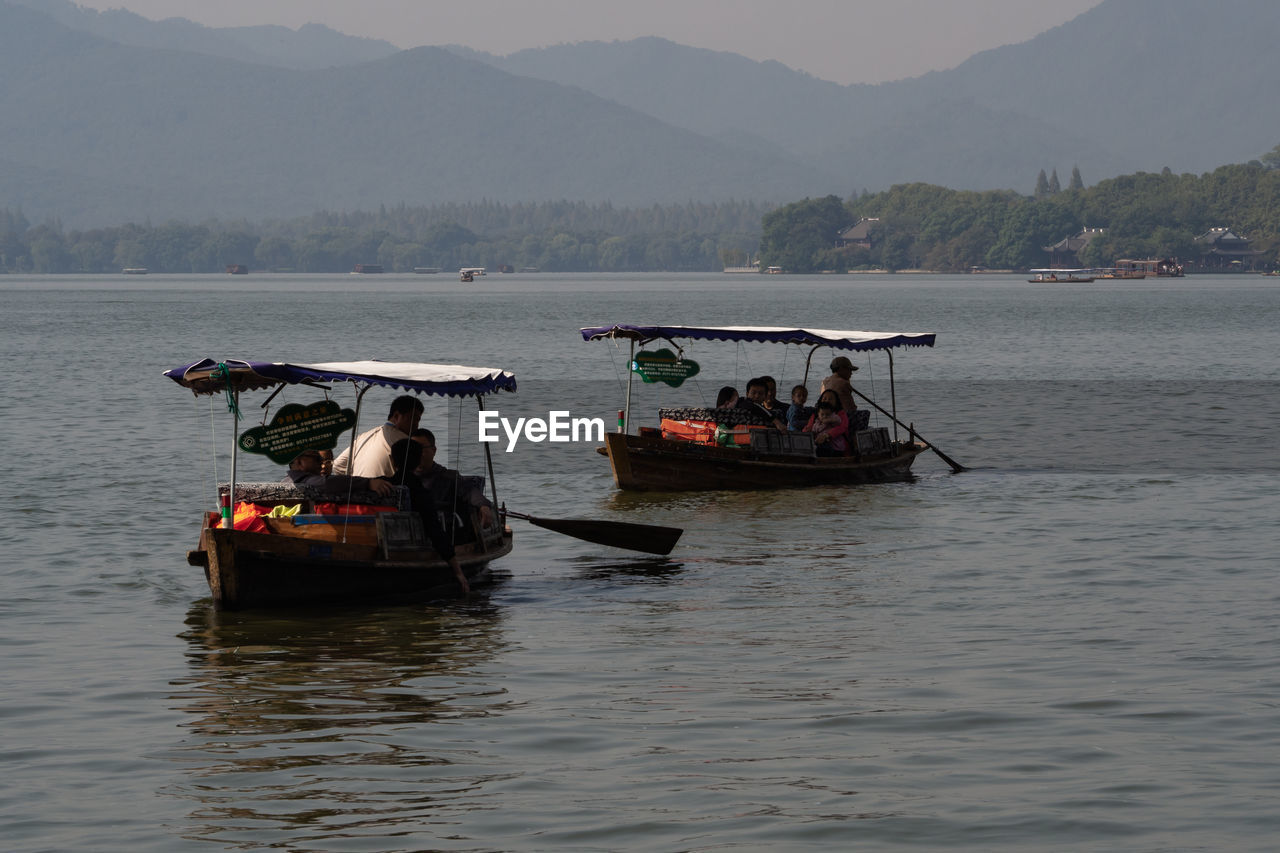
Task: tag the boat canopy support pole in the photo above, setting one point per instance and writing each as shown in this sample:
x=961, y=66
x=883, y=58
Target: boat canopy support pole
x=488, y=460
x=355, y=430
x=631, y=360
x=229, y=520
x=351, y=458
x=893, y=395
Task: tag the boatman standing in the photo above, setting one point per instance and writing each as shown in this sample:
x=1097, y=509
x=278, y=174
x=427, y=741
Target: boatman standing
x=373, y=448
x=838, y=381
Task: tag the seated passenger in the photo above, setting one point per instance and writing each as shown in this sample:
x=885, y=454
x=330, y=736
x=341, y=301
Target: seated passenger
x=830, y=426
x=306, y=470
x=727, y=399
x=446, y=485
x=772, y=403
x=406, y=455
x=798, y=413
x=757, y=397
x=373, y=448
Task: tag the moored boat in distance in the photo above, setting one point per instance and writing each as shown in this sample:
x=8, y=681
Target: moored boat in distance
x=282, y=544
x=135, y=271
x=470, y=273
x=426, y=270
x=367, y=269
x=719, y=449
x=1154, y=267
x=1060, y=276
x=237, y=269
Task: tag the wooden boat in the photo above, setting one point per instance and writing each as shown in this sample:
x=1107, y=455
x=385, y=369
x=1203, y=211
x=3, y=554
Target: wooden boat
x=318, y=550
x=686, y=453
x=650, y=463
x=1063, y=276
x=1143, y=267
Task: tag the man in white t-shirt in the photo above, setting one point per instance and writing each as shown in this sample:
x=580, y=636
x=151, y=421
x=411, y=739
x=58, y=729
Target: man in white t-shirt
x=373, y=448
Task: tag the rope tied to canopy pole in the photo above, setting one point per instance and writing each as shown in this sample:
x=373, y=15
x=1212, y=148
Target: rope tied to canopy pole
x=224, y=373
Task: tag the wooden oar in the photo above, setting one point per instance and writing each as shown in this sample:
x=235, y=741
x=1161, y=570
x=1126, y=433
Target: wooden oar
x=649, y=538
x=956, y=467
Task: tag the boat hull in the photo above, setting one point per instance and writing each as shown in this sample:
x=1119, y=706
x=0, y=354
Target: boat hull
x=643, y=463
x=246, y=569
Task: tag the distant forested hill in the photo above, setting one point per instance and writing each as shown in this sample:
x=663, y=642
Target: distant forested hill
x=109, y=117
x=309, y=46
x=96, y=131
x=1129, y=85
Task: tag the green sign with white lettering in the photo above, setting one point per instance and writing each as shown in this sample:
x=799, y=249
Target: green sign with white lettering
x=664, y=366
x=297, y=428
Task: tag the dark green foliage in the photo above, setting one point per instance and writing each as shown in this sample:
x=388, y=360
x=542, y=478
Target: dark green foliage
x=1144, y=214
x=555, y=237
x=919, y=226
x=801, y=237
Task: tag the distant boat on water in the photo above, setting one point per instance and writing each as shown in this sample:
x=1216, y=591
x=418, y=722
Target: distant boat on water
x=1062, y=276
x=135, y=271
x=752, y=266
x=366, y=269
x=1157, y=267
x=237, y=269
x=426, y=270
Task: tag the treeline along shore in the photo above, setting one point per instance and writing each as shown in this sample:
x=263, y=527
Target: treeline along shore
x=921, y=226
x=910, y=226
x=551, y=236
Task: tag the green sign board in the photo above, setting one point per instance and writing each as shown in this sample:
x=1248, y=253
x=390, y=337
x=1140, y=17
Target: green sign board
x=664, y=366
x=297, y=428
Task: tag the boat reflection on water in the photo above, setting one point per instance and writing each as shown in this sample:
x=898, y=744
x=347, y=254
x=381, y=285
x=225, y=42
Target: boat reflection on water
x=311, y=721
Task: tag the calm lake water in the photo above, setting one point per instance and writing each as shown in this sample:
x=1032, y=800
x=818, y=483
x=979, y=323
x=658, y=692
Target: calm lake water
x=1071, y=646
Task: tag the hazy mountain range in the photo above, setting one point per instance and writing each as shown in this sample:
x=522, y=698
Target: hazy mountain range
x=110, y=116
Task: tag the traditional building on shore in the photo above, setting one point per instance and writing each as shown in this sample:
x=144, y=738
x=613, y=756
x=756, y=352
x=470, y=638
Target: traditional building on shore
x=1066, y=252
x=857, y=236
x=1225, y=250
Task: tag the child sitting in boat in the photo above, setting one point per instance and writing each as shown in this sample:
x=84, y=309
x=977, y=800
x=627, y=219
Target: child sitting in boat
x=830, y=426
x=798, y=413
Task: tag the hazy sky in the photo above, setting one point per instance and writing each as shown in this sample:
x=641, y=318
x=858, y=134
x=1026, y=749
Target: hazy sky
x=848, y=41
